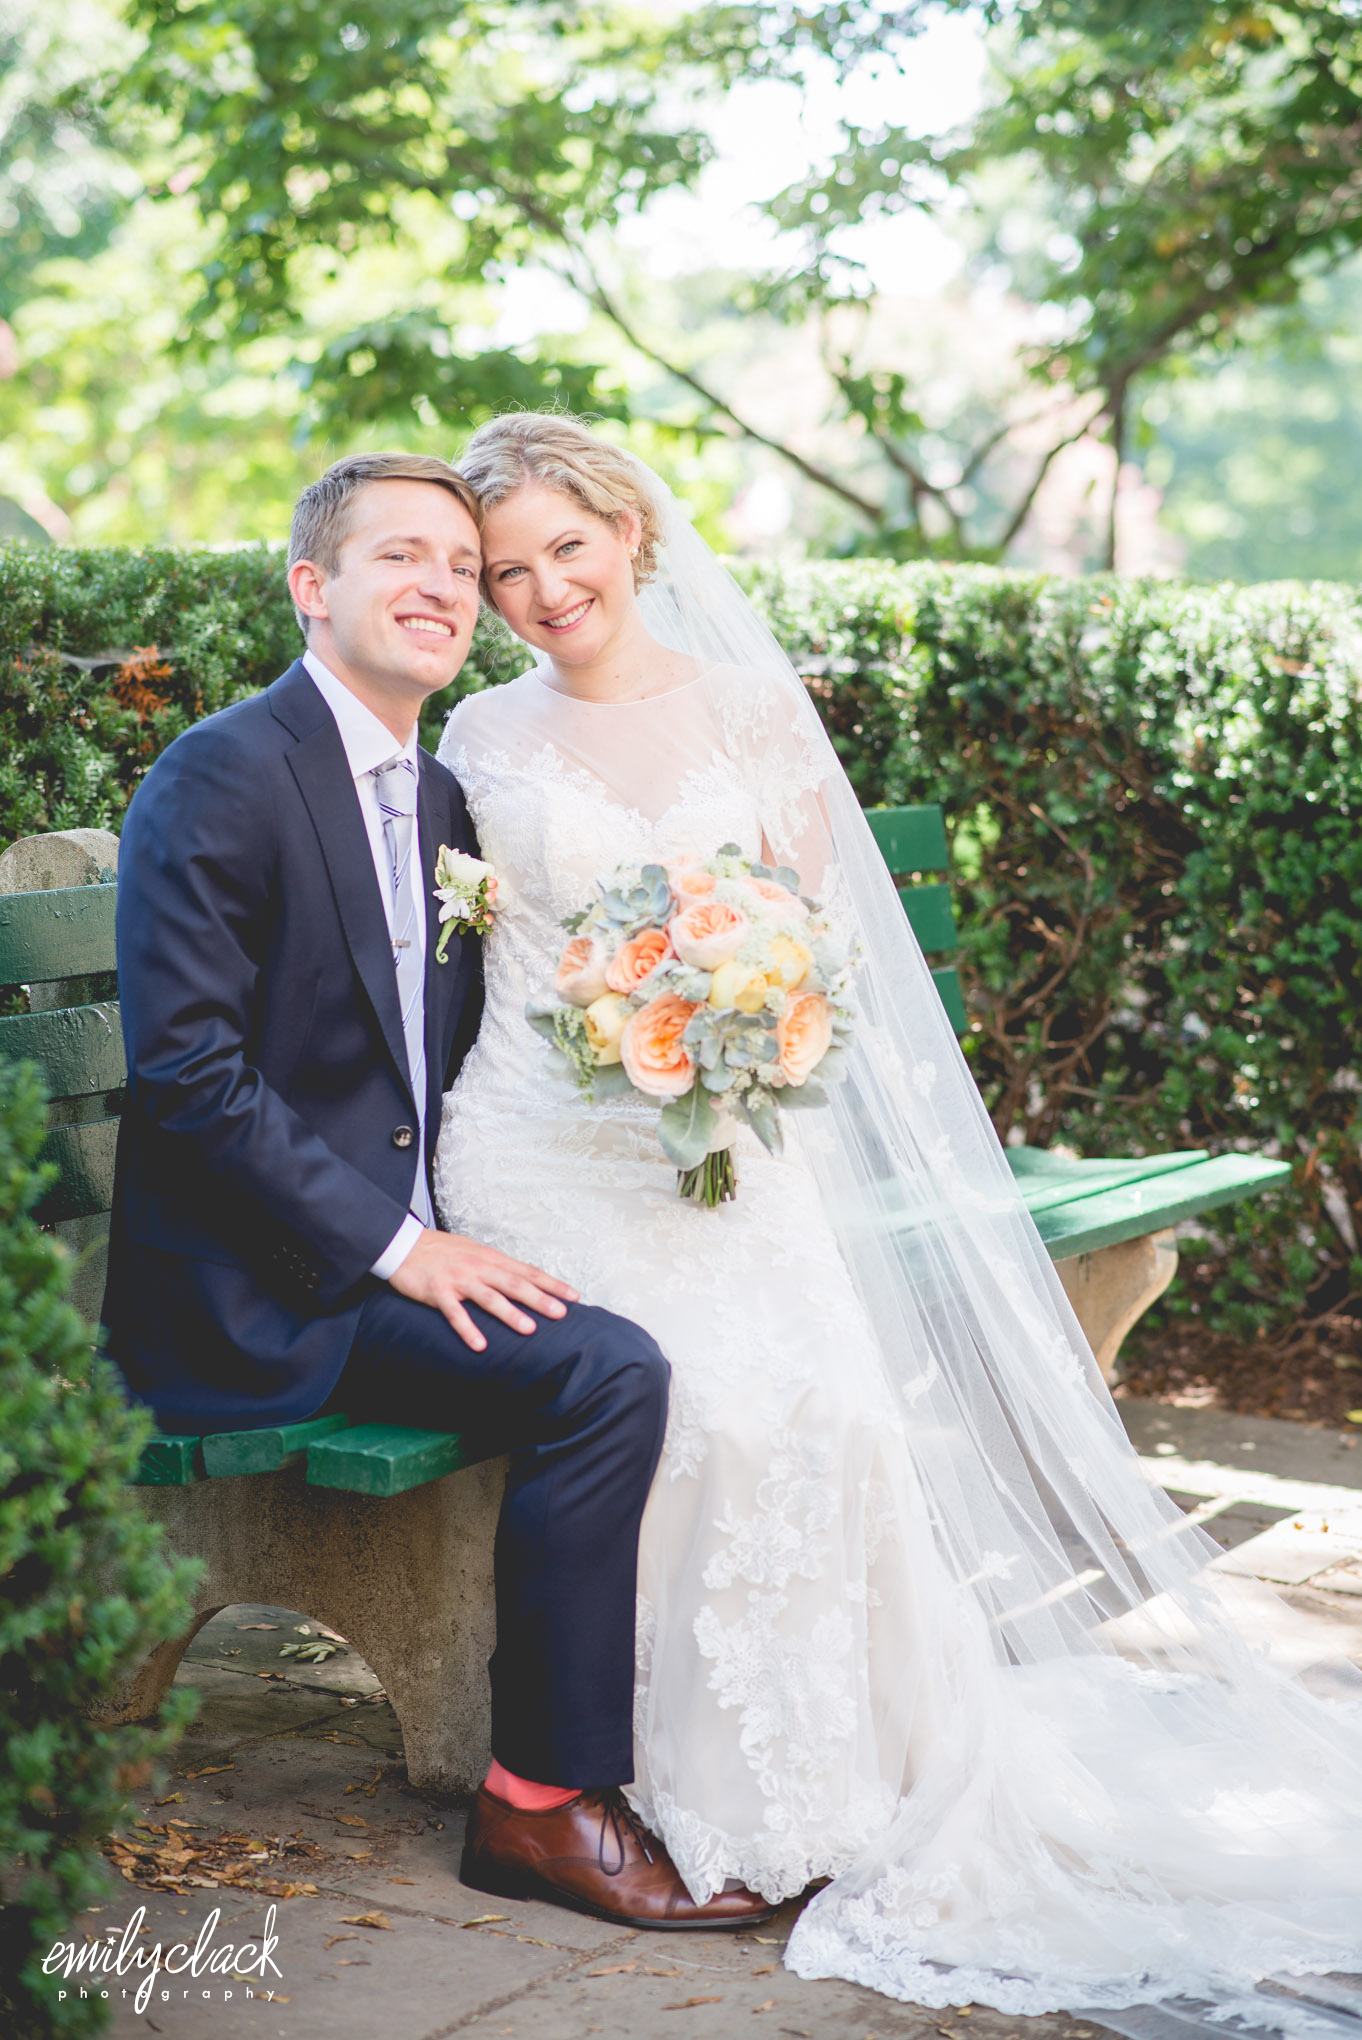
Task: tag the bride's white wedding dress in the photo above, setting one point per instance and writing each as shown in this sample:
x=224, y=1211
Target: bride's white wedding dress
x=777, y=1606
x=910, y=1617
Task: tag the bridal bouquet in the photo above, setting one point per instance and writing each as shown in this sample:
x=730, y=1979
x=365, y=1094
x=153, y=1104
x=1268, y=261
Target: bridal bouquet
x=713, y=987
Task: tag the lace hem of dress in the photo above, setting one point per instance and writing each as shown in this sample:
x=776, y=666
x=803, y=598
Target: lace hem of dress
x=777, y=1865
x=881, y=1960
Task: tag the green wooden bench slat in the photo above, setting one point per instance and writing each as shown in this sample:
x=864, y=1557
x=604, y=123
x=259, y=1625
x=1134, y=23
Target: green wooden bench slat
x=947, y=982
x=169, y=1461
x=384, y=1459
x=910, y=838
x=65, y=933
x=84, y=1156
x=1138, y=1208
x=227, y=1453
x=1047, y=1180
x=930, y=914
x=80, y=1048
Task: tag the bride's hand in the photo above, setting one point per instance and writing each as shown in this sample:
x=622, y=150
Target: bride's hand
x=446, y=1271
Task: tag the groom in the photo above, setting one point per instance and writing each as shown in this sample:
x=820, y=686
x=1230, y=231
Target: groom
x=290, y=1033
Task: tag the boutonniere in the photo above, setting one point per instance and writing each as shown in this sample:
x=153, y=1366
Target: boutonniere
x=467, y=891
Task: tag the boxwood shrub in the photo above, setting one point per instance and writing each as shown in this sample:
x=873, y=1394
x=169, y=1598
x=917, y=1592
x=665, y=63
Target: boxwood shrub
x=1153, y=792
x=86, y=1591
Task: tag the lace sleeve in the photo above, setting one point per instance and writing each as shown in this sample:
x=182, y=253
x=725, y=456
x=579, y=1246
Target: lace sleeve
x=785, y=762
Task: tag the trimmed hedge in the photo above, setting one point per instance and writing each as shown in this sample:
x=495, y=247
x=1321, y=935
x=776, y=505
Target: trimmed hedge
x=1153, y=791
x=85, y=1592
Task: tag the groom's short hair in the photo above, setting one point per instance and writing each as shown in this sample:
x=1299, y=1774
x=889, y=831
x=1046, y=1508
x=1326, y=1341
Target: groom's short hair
x=321, y=516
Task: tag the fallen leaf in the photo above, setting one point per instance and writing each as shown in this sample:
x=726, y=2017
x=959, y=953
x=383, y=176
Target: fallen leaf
x=769, y=2006
x=767, y=1940
x=686, y=2003
x=401, y=1880
x=336, y=1938
x=257, y=1625
x=210, y=1771
x=661, y=1972
x=352, y=1962
x=767, y=1969
x=369, y=1789
x=374, y=1919
x=614, y=1969
x=172, y=1799
x=350, y=1819
x=486, y=1919
x=1355, y=1416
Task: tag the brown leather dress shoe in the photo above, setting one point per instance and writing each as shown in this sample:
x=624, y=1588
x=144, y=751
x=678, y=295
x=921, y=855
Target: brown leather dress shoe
x=595, y=1855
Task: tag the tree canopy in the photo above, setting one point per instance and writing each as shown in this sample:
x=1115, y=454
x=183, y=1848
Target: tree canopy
x=349, y=194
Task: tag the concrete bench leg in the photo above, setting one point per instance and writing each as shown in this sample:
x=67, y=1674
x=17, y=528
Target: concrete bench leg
x=408, y=1581
x=1112, y=1289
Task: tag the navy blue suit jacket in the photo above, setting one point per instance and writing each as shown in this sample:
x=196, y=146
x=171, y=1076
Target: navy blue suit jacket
x=265, y=1156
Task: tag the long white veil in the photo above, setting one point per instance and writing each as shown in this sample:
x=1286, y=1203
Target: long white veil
x=1127, y=1802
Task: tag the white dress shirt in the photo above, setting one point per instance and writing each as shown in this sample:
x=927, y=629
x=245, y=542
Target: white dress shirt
x=368, y=743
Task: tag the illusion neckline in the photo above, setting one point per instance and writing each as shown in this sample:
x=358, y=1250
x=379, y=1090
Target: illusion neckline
x=632, y=701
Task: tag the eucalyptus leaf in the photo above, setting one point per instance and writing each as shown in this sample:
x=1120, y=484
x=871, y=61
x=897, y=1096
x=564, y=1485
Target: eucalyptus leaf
x=763, y=1117
x=686, y=1126
x=610, y=1080
x=795, y=1096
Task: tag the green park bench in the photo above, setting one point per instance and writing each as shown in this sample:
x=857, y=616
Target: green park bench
x=273, y=1512
x=1108, y=1225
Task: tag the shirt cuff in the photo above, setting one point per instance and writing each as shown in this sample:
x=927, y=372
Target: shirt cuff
x=401, y=1244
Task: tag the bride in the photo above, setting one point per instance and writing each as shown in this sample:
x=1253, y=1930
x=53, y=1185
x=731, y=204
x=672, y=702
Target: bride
x=910, y=1618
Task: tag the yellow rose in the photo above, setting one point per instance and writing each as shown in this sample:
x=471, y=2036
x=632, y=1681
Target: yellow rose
x=605, y=1023
x=788, y=962
x=737, y=984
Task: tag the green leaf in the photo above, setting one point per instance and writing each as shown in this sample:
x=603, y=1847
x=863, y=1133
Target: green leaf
x=763, y=1116
x=686, y=1126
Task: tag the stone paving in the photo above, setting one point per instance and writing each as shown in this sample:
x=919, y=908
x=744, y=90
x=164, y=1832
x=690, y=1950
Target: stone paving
x=305, y=1762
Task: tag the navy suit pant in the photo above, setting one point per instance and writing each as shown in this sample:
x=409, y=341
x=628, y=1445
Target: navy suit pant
x=581, y=1406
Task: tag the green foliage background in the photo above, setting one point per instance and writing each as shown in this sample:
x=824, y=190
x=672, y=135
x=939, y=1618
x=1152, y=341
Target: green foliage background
x=85, y=1592
x=1153, y=791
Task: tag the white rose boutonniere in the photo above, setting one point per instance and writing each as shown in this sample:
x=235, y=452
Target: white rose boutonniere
x=467, y=891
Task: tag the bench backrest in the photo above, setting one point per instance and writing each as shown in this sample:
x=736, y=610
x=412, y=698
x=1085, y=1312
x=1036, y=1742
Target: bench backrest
x=912, y=841
x=47, y=938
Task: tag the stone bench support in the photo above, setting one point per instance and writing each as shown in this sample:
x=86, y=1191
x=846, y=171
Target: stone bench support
x=407, y=1581
x=1112, y=1289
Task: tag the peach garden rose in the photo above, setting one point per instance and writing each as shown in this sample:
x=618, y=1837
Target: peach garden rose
x=637, y=959
x=581, y=971
x=803, y=1036
x=707, y=935
x=651, y=1049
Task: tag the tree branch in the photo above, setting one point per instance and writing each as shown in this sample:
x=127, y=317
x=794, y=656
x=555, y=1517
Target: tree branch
x=595, y=292
x=1023, y=509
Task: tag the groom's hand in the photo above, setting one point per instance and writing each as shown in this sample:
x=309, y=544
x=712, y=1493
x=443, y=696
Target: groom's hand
x=446, y=1271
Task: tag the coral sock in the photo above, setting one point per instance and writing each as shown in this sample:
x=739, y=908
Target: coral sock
x=524, y=1793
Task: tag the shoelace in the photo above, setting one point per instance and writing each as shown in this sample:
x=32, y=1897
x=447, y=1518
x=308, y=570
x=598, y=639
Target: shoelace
x=619, y=1816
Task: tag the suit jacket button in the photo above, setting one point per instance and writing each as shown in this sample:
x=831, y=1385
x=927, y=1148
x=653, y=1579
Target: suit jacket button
x=403, y=1136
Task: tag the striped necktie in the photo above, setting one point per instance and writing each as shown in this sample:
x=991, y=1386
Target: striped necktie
x=397, y=789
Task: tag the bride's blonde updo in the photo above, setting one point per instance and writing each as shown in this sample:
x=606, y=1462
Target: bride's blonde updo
x=564, y=454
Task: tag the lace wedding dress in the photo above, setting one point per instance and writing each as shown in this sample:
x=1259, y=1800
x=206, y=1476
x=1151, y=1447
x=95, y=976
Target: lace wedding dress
x=910, y=1616
x=777, y=1608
